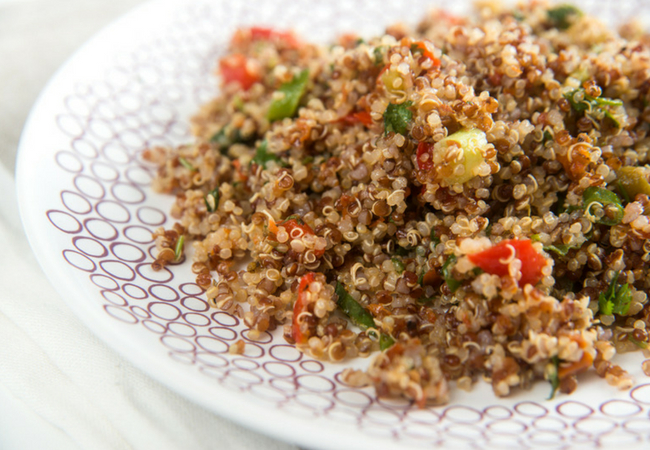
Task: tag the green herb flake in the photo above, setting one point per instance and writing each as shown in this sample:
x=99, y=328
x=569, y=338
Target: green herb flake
x=554, y=378
x=560, y=249
x=397, y=118
x=623, y=300
x=435, y=239
x=547, y=137
x=263, y=156
x=185, y=163
x=476, y=271
x=632, y=181
x=576, y=103
x=295, y=217
x=604, y=101
x=488, y=229
x=642, y=345
x=227, y=136
x=399, y=266
x=563, y=16
x=616, y=299
x=378, y=53
x=357, y=313
x=453, y=283
x=518, y=15
x=580, y=101
x=603, y=197
x=623, y=191
x=287, y=104
x=220, y=138
x=564, y=284
x=401, y=251
x=385, y=341
x=611, y=117
x=238, y=103
x=178, y=250
x=212, y=200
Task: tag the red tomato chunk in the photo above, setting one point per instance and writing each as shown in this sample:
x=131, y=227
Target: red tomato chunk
x=425, y=156
x=362, y=117
x=234, y=69
x=425, y=52
x=300, y=306
x=532, y=262
x=286, y=39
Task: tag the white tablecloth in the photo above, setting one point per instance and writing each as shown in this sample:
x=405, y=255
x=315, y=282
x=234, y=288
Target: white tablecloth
x=60, y=387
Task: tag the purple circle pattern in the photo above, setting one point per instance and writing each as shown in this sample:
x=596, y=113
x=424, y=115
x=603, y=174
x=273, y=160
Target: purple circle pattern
x=138, y=105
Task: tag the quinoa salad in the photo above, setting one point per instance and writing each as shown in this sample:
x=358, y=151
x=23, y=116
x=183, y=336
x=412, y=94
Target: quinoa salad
x=463, y=200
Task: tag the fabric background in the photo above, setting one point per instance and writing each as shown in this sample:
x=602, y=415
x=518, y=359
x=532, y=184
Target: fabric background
x=60, y=387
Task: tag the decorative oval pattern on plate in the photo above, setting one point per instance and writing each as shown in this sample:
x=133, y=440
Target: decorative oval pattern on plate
x=89, y=246
x=101, y=229
x=69, y=162
x=89, y=186
x=75, y=202
x=151, y=216
x=113, y=211
x=138, y=234
x=79, y=260
x=134, y=291
x=104, y=171
x=104, y=282
x=64, y=221
x=127, y=252
x=117, y=269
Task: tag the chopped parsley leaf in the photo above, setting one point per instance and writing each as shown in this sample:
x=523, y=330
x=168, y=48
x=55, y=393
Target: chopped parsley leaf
x=616, y=299
x=397, y=118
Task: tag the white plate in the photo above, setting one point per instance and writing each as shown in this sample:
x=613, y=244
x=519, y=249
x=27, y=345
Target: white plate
x=89, y=213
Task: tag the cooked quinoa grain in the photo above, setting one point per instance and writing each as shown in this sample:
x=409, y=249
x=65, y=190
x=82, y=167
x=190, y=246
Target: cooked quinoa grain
x=466, y=199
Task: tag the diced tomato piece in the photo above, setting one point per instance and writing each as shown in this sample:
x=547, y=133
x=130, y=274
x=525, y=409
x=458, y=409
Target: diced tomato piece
x=269, y=34
x=491, y=260
x=262, y=34
x=495, y=79
x=358, y=117
x=288, y=38
x=427, y=53
x=293, y=224
x=300, y=306
x=451, y=18
x=424, y=156
x=575, y=367
x=241, y=174
x=348, y=40
x=234, y=69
